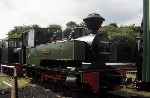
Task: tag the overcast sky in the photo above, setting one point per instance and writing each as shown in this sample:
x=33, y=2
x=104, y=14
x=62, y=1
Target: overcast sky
x=45, y=12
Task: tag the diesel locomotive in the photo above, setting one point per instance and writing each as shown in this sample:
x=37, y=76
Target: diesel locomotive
x=76, y=63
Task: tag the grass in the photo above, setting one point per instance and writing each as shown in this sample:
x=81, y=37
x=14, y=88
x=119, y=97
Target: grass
x=2, y=85
x=22, y=82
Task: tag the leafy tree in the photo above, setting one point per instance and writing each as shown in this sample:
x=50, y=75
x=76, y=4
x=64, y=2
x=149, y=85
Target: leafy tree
x=112, y=31
x=71, y=24
x=54, y=28
x=68, y=32
x=113, y=24
x=123, y=39
x=35, y=26
x=19, y=30
x=55, y=31
x=82, y=24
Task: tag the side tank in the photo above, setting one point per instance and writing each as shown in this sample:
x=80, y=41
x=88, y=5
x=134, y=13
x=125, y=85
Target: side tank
x=63, y=51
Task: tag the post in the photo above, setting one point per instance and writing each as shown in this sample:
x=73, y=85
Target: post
x=14, y=87
x=146, y=29
x=1, y=68
x=14, y=92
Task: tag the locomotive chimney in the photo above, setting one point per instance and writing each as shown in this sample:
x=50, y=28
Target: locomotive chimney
x=93, y=22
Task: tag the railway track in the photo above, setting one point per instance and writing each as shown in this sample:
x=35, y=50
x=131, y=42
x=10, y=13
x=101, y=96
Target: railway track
x=36, y=91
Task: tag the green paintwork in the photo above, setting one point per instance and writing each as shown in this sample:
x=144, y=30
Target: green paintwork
x=146, y=22
x=67, y=50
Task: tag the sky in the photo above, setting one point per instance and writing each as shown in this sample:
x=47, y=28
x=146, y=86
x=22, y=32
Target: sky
x=46, y=12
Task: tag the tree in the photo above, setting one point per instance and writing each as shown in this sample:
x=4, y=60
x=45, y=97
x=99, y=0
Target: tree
x=35, y=26
x=19, y=30
x=113, y=24
x=54, y=28
x=123, y=39
x=82, y=24
x=71, y=24
x=69, y=29
x=113, y=31
x=67, y=32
